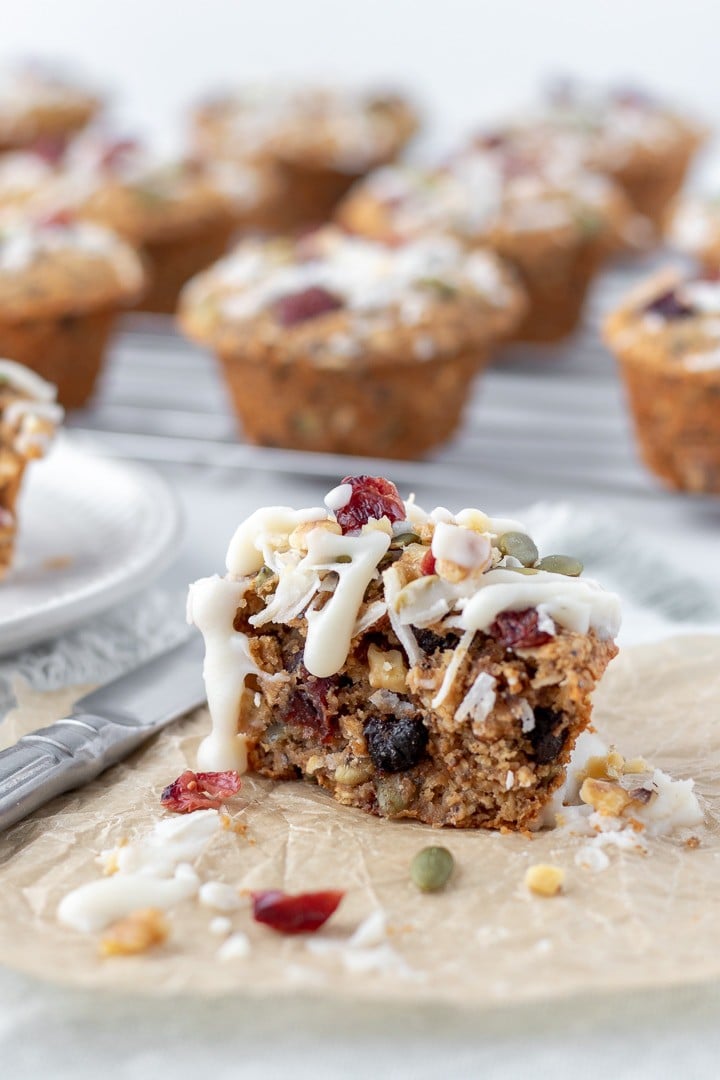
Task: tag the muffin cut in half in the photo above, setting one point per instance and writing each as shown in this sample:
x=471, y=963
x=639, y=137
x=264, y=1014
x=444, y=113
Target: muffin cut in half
x=554, y=225
x=62, y=284
x=314, y=141
x=666, y=338
x=415, y=665
x=29, y=417
x=340, y=344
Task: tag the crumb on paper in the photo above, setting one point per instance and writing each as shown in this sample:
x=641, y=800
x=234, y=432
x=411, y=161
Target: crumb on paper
x=220, y=926
x=544, y=879
x=237, y=947
x=136, y=933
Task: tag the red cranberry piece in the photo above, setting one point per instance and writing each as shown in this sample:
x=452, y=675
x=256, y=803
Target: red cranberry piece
x=113, y=154
x=519, y=630
x=56, y=219
x=308, y=304
x=199, y=791
x=308, y=705
x=427, y=564
x=490, y=140
x=299, y=914
x=669, y=306
x=372, y=497
x=50, y=148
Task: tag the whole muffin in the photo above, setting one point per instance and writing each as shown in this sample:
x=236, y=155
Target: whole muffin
x=555, y=225
x=645, y=145
x=62, y=285
x=341, y=344
x=694, y=228
x=29, y=416
x=315, y=141
x=666, y=337
x=38, y=104
x=180, y=216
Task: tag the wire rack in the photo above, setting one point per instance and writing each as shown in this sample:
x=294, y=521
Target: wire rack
x=546, y=419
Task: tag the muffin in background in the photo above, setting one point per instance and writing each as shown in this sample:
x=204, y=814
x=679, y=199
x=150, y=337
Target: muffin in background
x=341, y=344
x=554, y=224
x=38, y=105
x=29, y=417
x=315, y=142
x=643, y=144
x=180, y=215
x=694, y=229
x=666, y=337
x=62, y=284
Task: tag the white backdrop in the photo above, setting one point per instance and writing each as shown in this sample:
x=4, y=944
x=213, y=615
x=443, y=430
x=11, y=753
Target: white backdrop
x=465, y=59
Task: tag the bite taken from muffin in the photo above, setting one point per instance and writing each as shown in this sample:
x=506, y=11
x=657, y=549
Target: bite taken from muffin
x=415, y=665
x=29, y=417
x=337, y=343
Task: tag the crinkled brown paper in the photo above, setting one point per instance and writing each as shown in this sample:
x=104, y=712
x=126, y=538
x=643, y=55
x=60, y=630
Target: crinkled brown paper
x=646, y=921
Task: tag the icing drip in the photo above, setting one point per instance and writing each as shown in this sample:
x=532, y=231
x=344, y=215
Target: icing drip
x=153, y=871
x=212, y=604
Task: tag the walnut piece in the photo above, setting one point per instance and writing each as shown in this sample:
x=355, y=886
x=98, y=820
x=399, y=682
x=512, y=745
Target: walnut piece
x=605, y=796
x=138, y=932
x=544, y=879
x=386, y=669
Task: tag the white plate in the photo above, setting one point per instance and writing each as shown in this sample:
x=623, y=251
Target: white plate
x=91, y=532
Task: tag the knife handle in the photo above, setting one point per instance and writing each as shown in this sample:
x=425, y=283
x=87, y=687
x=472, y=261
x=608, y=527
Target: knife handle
x=61, y=757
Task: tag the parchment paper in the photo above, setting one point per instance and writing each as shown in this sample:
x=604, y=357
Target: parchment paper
x=646, y=921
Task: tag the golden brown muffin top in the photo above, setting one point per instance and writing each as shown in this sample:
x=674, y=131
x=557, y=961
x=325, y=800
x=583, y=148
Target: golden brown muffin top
x=56, y=268
x=495, y=195
x=323, y=128
x=36, y=102
x=340, y=299
x=671, y=320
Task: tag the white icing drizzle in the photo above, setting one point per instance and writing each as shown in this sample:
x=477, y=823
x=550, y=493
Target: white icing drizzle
x=26, y=381
x=152, y=871
x=252, y=544
x=212, y=604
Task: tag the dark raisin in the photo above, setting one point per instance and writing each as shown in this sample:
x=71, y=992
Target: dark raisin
x=430, y=642
x=308, y=705
x=546, y=737
x=519, y=630
x=669, y=306
x=395, y=744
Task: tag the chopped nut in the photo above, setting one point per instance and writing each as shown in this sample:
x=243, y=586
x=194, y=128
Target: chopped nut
x=606, y=797
x=382, y=524
x=543, y=879
x=451, y=571
x=692, y=842
x=137, y=933
x=298, y=537
x=386, y=669
x=314, y=763
x=524, y=777
x=635, y=765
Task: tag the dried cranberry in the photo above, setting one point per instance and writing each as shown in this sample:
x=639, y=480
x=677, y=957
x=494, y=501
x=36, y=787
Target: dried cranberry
x=490, y=140
x=308, y=304
x=669, y=306
x=114, y=154
x=395, y=743
x=199, y=791
x=427, y=563
x=56, y=219
x=50, y=148
x=308, y=706
x=519, y=629
x=546, y=741
x=372, y=497
x=632, y=97
x=298, y=914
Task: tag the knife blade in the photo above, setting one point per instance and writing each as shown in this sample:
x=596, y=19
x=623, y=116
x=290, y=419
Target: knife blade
x=104, y=727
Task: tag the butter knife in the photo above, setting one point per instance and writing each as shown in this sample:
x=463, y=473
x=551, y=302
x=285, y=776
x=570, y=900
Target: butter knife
x=104, y=727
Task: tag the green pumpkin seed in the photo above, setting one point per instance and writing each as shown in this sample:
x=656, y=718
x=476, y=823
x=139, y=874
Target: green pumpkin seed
x=444, y=289
x=403, y=539
x=561, y=564
x=431, y=868
x=520, y=546
x=344, y=558
x=263, y=576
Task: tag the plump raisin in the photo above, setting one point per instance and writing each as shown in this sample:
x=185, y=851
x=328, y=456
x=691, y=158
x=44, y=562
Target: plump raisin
x=372, y=497
x=308, y=304
x=669, y=306
x=519, y=630
x=395, y=744
x=546, y=737
x=430, y=642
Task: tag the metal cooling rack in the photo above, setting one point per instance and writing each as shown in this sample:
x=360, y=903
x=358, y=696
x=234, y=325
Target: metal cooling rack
x=551, y=420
